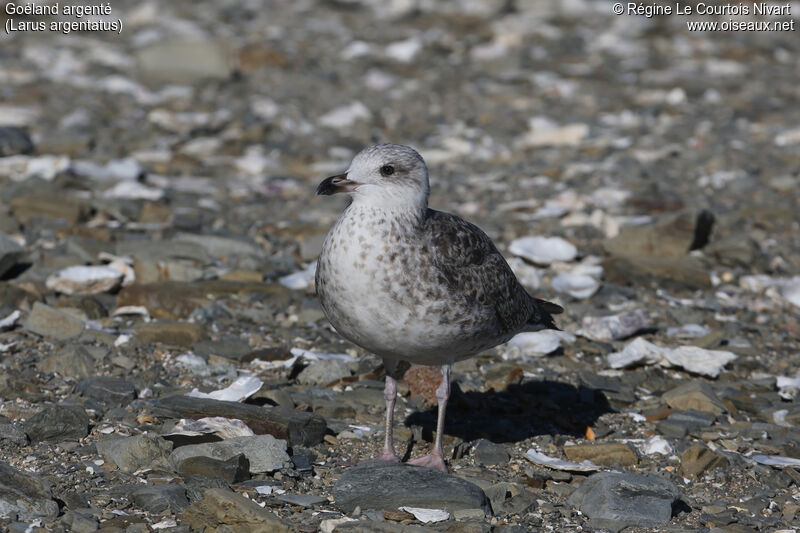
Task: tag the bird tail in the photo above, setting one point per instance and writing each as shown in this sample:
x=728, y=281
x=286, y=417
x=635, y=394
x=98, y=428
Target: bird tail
x=542, y=317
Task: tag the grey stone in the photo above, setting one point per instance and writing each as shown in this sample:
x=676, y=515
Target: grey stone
x=133, y=453
x=14, y=141
x=109, y=389
x=73, y=361
x=58, y=422
x=11, y=434
x=379, y=485
x=25, y=496
x=159, y=498
x=321, y=373
x=49, y=322
x=636, y=500
x=265, y=452
x=10, y=253
x=302, y=500
x=489, y=453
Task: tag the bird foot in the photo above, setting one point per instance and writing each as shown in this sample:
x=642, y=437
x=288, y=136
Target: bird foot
x=431, y=461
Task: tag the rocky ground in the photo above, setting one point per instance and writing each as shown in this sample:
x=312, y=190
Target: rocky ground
x=158, y=231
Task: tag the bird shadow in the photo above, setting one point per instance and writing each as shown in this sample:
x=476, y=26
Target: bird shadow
x=519, y=412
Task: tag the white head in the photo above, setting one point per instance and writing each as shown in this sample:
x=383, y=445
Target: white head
x=384, y=175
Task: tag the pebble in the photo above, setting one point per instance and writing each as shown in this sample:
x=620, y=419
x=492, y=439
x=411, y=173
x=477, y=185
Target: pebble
x=392, y=485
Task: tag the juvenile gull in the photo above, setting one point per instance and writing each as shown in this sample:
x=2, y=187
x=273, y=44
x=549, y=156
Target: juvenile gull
x=409, y=283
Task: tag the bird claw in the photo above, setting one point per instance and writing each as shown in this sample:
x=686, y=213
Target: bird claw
x=431, y=461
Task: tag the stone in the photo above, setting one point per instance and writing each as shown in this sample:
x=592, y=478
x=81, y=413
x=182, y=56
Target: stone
x=25, y=496
x=697, y=395
x=68, y=208
x=634, y=499
x=379, y=485
x=173, y=333
x=226, y=348
x=296, y=427
x=232, y=470
x=133, y=453
x=183, y=62
x=509, y=498
x=602, y=453
x=161, y=498
x=264, y=452
x=10, y=253
x=73, y=361
x=323, y=372
x=221, y=510
x=14, y=141
x=58, y=422
x=108, y=389
x=52, y=323
x=697, y=459
x=488, y=453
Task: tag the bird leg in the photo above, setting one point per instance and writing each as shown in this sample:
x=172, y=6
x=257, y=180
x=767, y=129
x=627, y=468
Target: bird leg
x=435, y=459
x=390, y=394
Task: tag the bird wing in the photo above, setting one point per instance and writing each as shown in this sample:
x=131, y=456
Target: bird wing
x=471, y=266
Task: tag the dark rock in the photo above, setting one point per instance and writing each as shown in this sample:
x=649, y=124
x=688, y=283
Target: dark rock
x=636, y=500
x=378, y=485
x=488, y=453
x=160, y=498
x=232, y=470
x=296, y=427
x=58, y=422
x=108, y=389
x=10, y=253
x=14, y=141
x=25, y=496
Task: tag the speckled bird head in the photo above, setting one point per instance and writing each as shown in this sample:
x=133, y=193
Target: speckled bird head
x=384, y=175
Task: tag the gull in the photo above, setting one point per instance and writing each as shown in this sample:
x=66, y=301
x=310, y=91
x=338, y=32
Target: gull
x=409, y=283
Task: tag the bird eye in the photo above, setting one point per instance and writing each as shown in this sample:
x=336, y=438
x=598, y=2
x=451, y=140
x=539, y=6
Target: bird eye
x=387, y=170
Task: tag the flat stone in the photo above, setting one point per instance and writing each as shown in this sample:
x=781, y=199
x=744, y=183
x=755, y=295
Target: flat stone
x=10, y=253
x=296, y=427
x=488, y=453
x=173, y=333
x=378, y=485
x=221, y=510
x=58, y=422
x=602, y=453
x=227, y=348
x=52, y=323
x=302, y=500
x=322, y=372
x=160, y=498
x=697, y=395
x=14, y=141
x=634, y=499
x=697, y=459
x=108, y=389
x=73, y=361
x=264, y=452
x=133, y=453
x=232, y=470
x=25, y=495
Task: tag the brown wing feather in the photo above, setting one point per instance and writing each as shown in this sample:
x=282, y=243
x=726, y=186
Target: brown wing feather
x=471, y=264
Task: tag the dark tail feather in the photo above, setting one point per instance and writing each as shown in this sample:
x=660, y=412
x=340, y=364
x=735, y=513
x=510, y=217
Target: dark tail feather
x=542, y=317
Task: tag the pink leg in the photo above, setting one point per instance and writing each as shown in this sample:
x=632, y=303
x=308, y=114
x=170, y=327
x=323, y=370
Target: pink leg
x=435, y=459
x=390, y=394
